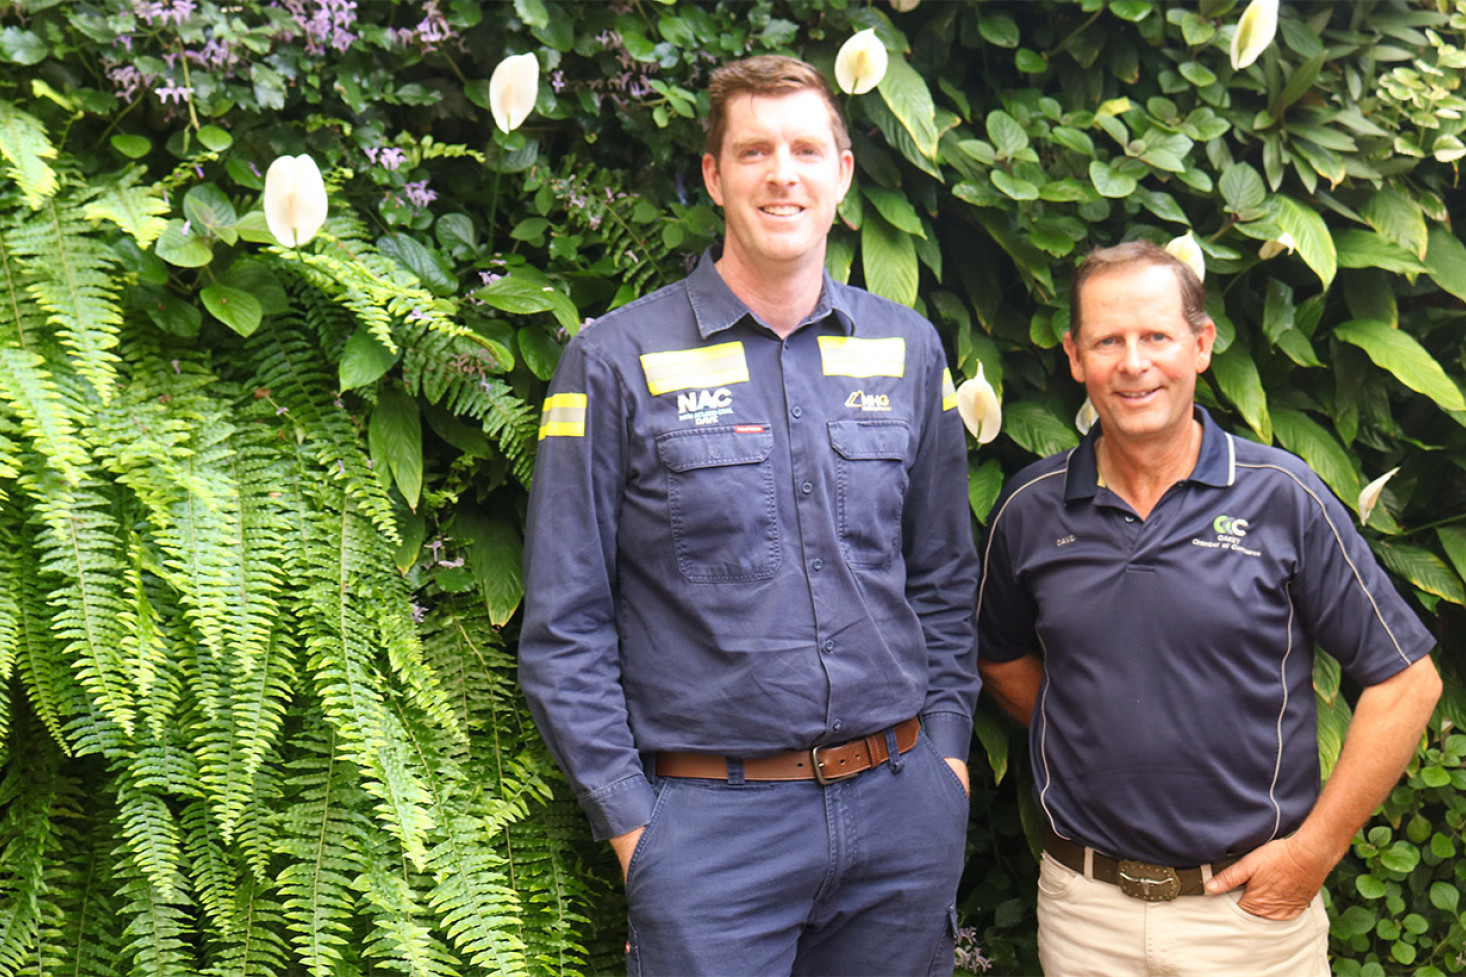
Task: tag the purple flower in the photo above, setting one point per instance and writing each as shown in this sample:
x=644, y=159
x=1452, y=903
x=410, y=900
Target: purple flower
x=183, y=231
x=392, y=158
x=178, y=93
x=557, y=80
x=418, y=612
x=419, y=194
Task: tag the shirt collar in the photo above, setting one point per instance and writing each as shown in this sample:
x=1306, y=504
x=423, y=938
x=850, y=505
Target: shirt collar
x=1216, y=463
x=717, y=308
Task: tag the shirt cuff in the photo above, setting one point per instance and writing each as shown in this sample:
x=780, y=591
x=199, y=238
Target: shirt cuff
x=950, y=733
x=621, y=807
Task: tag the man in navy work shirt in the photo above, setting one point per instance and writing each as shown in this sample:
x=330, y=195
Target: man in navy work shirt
x=748, y=634
x=1176, y=580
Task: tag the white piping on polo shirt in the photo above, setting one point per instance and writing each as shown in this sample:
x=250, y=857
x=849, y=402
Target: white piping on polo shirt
x=1043, y=703
x=1272, y=789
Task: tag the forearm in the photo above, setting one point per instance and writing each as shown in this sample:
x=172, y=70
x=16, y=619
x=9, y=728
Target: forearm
x=1014, y=685
x=1383, y=735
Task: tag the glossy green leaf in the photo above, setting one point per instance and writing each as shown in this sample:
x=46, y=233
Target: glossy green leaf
x=1109, y=182
x=183, y=250
x=1399, y=219
x=1428, y=573
x=1453, y=542
x=1309, y=440
x=906, y=94
x=236, y=308
x=1310, y=233
x=1365, y=249
x=984, y=484
x=895, y=208
x=992, y=732
x=364, y=360
x=430, y=267
x=1445, y=258
x=888, y=260
x=1038, y=431
x=1242, y=188
x=1402, y=355
x=131, y=146
x=539, y=351
x=395, y=437
x=1236, y=374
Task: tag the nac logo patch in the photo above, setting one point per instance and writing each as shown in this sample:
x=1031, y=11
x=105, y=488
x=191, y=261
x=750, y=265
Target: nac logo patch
x=704, y=406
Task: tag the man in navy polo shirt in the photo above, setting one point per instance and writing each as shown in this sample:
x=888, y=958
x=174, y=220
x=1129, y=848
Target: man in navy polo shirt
x=749, y=572
x=1175, y=580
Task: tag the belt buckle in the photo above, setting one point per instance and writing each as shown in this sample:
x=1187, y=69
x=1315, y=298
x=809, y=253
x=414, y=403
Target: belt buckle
x=1147, y=882
x=819, y=774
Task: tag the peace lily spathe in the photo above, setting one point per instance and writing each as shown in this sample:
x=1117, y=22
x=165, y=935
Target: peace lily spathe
x=861, y=63
x=904, y=6
x=1271, y=249
x=1370, y=496
x=1084, y=420
x=513, y=88
x=1187, y=251
x=1255, y=32
x=977, y=402
x=295, y=200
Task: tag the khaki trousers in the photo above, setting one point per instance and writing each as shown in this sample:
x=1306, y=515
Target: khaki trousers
x=1092, y=929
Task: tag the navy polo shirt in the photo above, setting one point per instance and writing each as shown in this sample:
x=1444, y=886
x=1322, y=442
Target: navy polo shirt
x=741, y=544
x=1176, y=720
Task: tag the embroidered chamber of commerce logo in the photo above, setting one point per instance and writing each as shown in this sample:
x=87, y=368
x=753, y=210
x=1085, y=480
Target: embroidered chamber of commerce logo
x=704, y=406
x=1230, y=531
x=868, y=402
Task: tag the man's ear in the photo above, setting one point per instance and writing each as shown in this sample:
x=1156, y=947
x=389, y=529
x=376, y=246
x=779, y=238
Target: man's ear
x=1076, y=369
x=1206, y=338
x=712, y=179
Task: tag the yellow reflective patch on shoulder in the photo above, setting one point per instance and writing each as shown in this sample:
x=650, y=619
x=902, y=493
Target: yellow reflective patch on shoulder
x=704, y=366
x=949, y=391
x=847, y=356
x=564, y=416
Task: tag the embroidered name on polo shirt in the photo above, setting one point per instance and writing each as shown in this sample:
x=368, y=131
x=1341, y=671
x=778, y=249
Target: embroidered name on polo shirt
x=687, y=369
x=847, y=356
x=564, y=416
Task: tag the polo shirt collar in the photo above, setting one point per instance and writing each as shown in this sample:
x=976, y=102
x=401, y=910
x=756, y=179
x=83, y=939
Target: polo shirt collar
x=1216, y=463
x=717, y=308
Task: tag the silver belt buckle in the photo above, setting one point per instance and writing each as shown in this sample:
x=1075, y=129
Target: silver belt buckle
x=1147, y=882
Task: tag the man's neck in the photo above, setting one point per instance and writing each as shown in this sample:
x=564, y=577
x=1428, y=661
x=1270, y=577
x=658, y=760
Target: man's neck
x=1140, y=472
x=781, y=297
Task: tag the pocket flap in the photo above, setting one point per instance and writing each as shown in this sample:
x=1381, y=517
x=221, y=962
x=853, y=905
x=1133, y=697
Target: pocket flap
x=865, y=440
x=727, y=444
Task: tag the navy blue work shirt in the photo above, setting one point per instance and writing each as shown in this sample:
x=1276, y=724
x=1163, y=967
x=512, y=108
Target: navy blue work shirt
x=1176, y=722
x=740, y=544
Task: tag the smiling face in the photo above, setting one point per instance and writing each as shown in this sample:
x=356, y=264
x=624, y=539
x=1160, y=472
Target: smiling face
x=1137, y=356
x=779, y=175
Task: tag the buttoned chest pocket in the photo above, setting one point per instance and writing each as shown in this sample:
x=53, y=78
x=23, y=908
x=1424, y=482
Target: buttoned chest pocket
x=870, y=475
x=720, y=499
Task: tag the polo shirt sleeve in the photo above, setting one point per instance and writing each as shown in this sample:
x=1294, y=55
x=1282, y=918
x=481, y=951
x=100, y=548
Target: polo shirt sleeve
x=941, y=564
x=569, y=651
x=1006, y=611
x=1345, y=598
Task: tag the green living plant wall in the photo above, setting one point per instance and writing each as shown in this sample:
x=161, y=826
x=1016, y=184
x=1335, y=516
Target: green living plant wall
x=261, y=505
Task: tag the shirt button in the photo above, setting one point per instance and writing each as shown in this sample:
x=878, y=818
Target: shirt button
x=796, y=411
x=817, y=564
x=830, y=645
x=1129, y=518
x=807, y=488
x=837, y=725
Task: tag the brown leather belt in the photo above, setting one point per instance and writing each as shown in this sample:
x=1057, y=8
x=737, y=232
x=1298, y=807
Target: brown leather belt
x=1142, y=880
x=824, y=764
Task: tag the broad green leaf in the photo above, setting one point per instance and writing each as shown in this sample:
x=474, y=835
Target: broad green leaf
x=1402, y=355
x=1310, y=233
x=364, y=360
x=984, y=483
x=993, y=733
x=1110, y=183
x=1075, y=139
x=905, y=93
x=131, y=146
x=534, y=14
x=215, y=139
x=999, y=31
x=1370, y=887
x=1013, y=187
x=888, y=259
x=236, y=308
x=895, y=208
x=1399, y=219
x=1310, y=441
x=1132, y=10
x=1445, y=896
x=1424, y=570
x=1453, y=541
x=1277, y=310
x=395, y=437
x=22, y=47
x=182, y=250
x=1359, y=248
x=258, y=279
x=1300, y=80
x=839, y=257
x=1445, y=257
x=430, y=267
x=539, y=351
x=1038, y=431
x=210, y=209
x=169, y=313
x=496, y=553
x=1236, y=375
x=1006, y=133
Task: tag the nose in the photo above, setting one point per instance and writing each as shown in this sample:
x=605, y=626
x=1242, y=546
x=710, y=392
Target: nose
x=1135, y=359
x=781, y=167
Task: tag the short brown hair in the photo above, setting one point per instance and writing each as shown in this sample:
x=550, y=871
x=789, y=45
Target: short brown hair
x=767, y=74
x=1139, y=254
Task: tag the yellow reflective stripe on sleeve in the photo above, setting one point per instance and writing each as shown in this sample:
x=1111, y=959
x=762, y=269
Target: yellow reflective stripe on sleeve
x=564, y=416
x=705, y=366
x=949, y=392
x=847, y=356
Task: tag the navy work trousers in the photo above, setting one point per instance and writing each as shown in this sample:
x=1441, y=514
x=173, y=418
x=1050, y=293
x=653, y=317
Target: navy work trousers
x=758, y=878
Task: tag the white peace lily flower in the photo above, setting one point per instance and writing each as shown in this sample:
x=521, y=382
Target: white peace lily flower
x=513, y=88
x=1084, y=420
x=1255, y=32
x=977, y=402
x=861, y=63
x=295, y=200
x=1271, y=249
x=1186, y=250
x=1370, y=496
x=904, y=6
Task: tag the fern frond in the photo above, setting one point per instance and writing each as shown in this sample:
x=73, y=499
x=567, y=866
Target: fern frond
x=21, y=322
x=27, y=837
x=504, y=415
x=47, y=418
x=322, y=832
x=478, y=907
x=154, y=837
x=157, y=929
x=83, y=923
x=136, y=210
x=26, y=147
x=45, y=672
x=400, y=938
x=252, y=945
x=74, y=283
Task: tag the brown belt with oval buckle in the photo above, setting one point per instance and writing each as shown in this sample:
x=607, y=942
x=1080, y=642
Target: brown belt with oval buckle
x=824, y=764
x=1139, y=880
